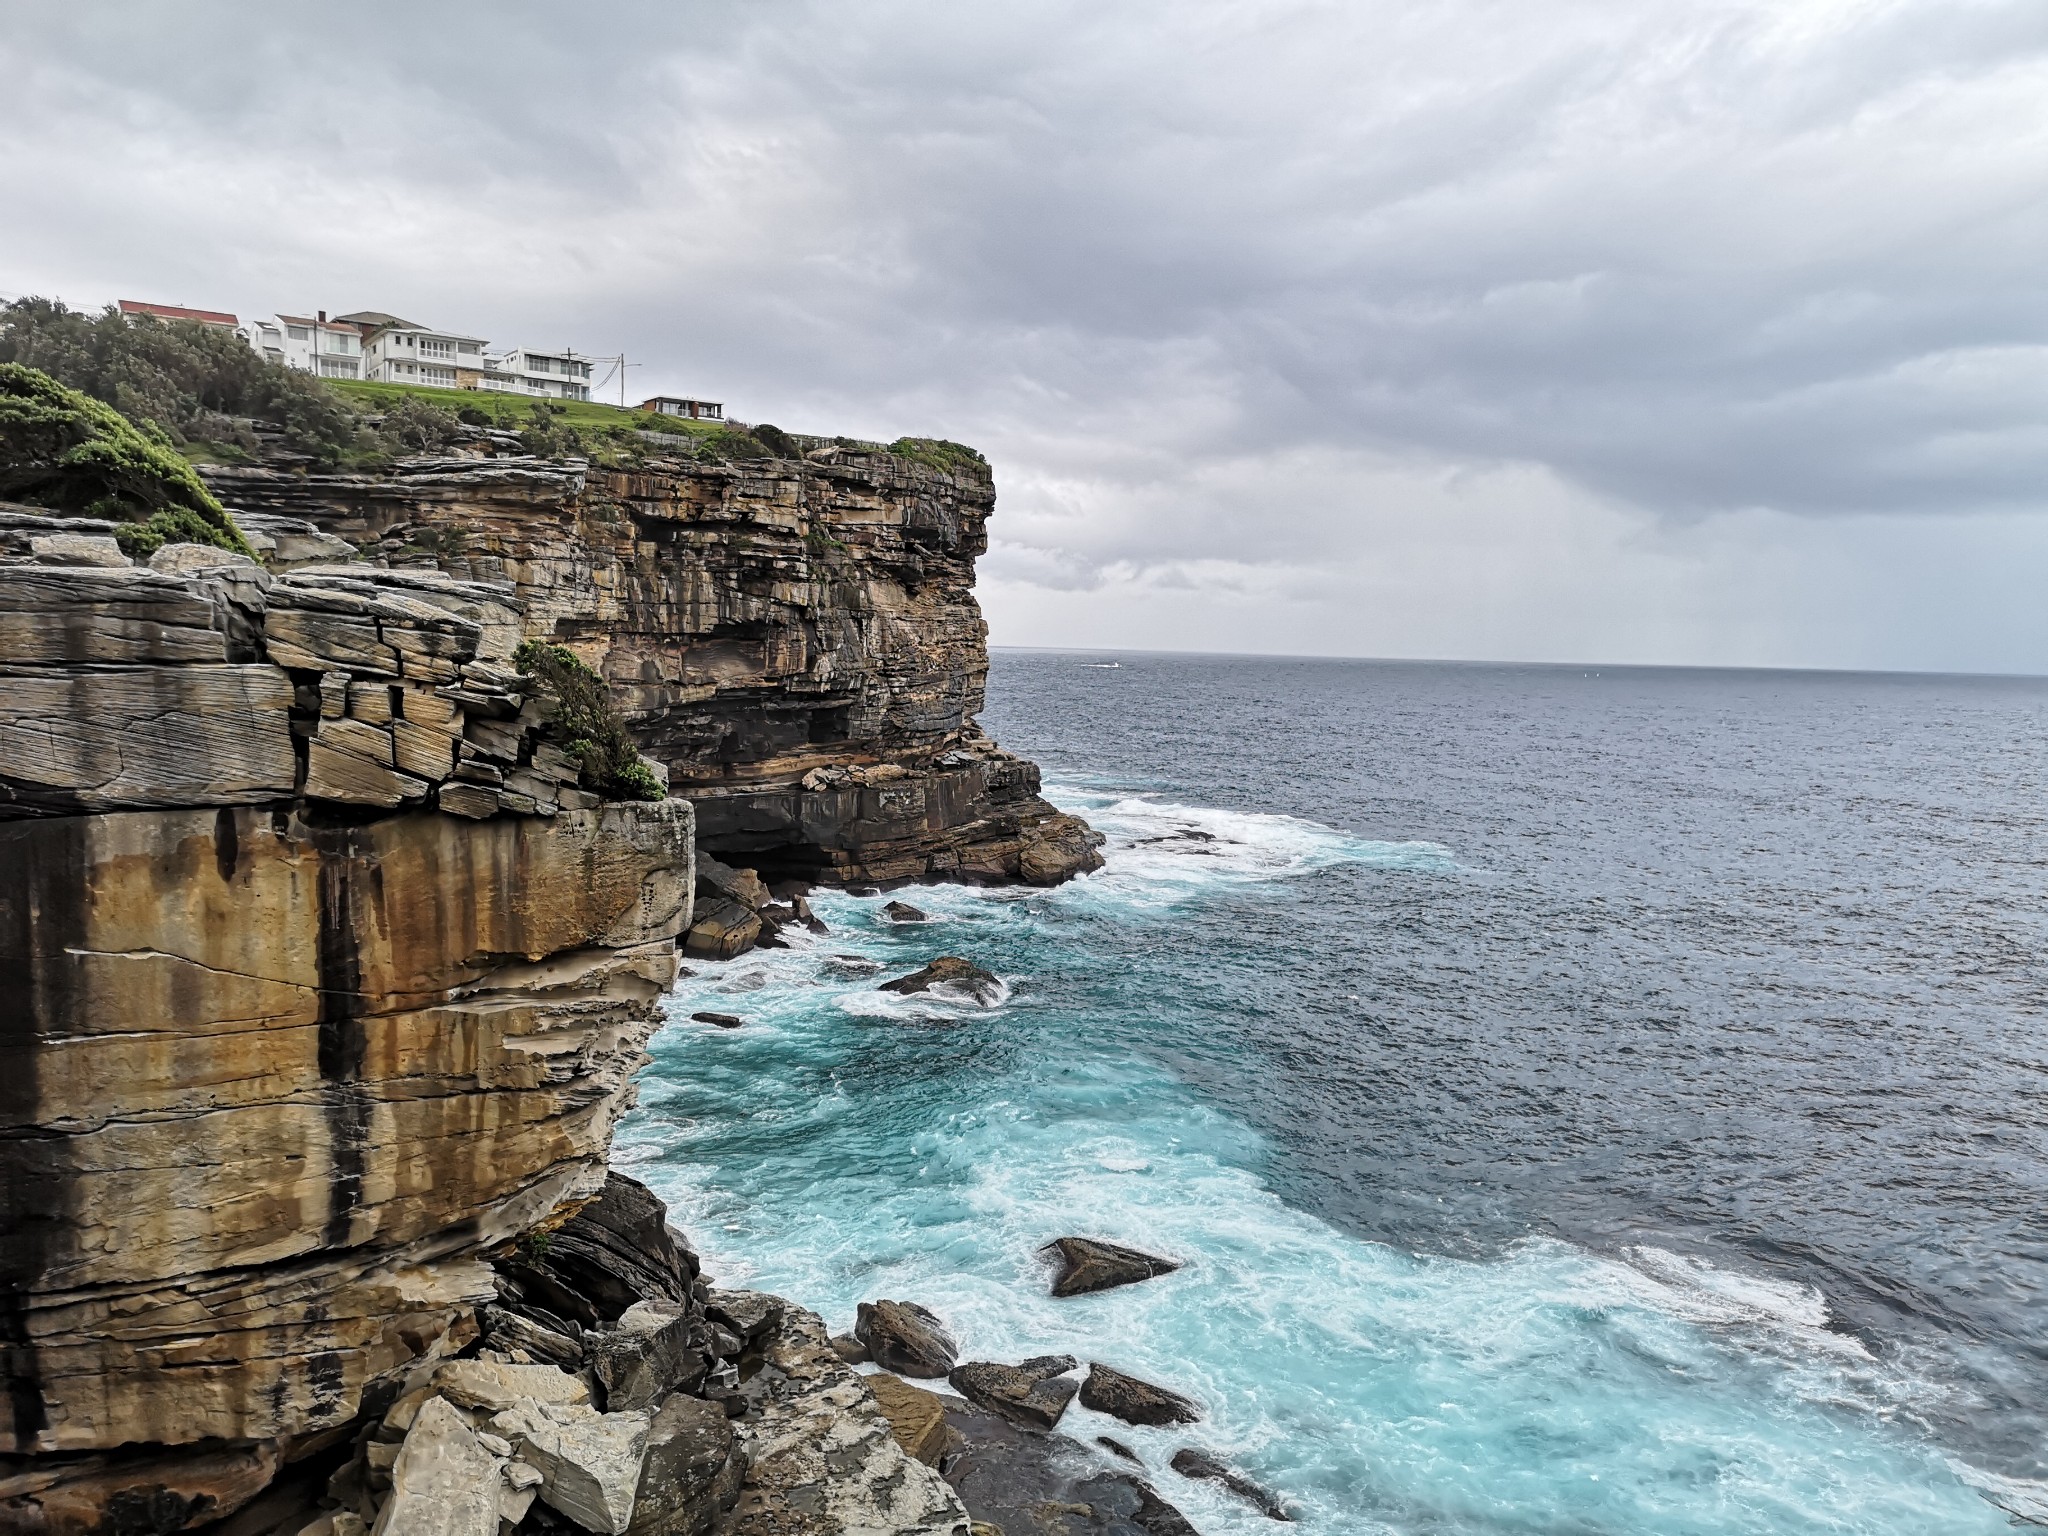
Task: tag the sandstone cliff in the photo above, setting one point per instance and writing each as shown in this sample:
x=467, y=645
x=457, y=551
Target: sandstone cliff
x=797, y=640
x=322, y=979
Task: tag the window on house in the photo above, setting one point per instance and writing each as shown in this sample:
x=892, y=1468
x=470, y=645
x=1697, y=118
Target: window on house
x=431, y=348
x=466, y=348
x=299, y=332
x=540, y=364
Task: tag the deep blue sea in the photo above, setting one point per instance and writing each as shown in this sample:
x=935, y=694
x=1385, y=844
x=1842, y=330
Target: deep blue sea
x=1587, y=1100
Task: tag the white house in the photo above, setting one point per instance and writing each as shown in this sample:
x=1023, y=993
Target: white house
x=399, y=351
x=521, y=370
x=313, y=344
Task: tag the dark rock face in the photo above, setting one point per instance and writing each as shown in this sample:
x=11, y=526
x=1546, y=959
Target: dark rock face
x=949, y=970
x=1089, y=1265
x=797, y=640
x=722, y=1020
x=903, y=1337
x=692, y=1473
x=1027, y=1483
x=1134, y=1401
x=1191, y=1463
x=616, y=1251
x=1034, y=1393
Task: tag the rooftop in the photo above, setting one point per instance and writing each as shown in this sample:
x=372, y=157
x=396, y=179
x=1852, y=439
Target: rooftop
x=177, y=312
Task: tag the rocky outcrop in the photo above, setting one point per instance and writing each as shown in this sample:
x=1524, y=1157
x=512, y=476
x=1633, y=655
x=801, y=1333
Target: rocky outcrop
x=905, y=1338
x=1134, y=1401
x=323, y=979
x=796, y=640
x=1088, y=1265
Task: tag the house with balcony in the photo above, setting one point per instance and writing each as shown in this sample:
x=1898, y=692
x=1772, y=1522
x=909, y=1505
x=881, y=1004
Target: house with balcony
x=560, y=375
x=310, y=343
x=399, y=351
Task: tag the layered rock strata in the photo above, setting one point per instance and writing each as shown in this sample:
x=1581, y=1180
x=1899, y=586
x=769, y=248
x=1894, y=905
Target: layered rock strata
x=796, y=640
x=320, y=980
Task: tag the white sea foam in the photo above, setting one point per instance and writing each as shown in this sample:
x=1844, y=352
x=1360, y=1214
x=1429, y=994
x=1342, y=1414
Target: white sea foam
x=1546, y=1389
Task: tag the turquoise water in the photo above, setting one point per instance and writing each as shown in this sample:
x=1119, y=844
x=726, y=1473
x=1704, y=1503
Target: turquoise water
x=848, y=1144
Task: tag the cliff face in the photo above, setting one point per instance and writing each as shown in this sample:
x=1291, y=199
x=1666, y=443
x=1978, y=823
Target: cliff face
x=797, y=640
x=321, y=978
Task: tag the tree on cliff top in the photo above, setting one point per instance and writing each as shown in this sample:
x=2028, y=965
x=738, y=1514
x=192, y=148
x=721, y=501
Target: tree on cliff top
x=190, y=380
x=62, y=449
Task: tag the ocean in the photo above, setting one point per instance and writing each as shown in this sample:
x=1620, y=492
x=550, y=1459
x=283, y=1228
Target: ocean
x=1587, y=1100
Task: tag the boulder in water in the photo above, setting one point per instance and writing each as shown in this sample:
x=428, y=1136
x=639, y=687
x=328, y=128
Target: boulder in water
x=949, y=970
x=1034, y=1393
x=1135, y=1402
x=722, y=1020
x=905, y=1338
x=1090, y=1265
x=903, y=912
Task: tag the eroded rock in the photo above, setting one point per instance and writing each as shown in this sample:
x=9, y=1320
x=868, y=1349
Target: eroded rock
x=905, y=1338
x=1135, y=1402
x=1025, y=1480
x=1087, y=1264
x=589, y=1462
x=691, y=1473
x=952, y=973
x=1036, y=1392
x=916, y=1417
x=445, y=1481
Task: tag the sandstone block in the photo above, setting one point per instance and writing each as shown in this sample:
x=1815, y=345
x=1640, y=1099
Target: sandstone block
x=589, y=1462
x=124, y=615
x=492, y=1387
x=101, y=739
x=917, y=1417
x=444, y=1482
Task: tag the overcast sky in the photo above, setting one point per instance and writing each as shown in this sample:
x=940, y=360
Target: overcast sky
x=1595, y=330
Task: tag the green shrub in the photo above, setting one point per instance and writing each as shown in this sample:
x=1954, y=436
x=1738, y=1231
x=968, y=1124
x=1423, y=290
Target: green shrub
x=776, y=441
x=937, y=453
x=190, y=380
x=420, y=424
x=62, y=449
x=586, y=723
x=729, y=445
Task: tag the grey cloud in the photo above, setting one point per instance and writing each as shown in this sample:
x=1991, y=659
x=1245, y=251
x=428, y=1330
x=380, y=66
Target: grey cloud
x=1181, y=268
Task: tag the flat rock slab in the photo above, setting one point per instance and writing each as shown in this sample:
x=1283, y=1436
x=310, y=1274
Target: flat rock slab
x=1088, y=1264
x=722, y=1020
x=1034, y=1393
x=905, y=1338
x=1110, y=1391
x=1028, y=1483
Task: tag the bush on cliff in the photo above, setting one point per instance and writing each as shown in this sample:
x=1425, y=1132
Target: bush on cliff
x=62, y=449
x=587, y=724
x=195, y=382
x=937, y=453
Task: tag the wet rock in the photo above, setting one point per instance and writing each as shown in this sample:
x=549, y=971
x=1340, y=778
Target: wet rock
x=1200, y=1465
x=916, y=1417
x=850, y=1349
x=1035, y=1393
x=905, y=1338
x=903, y=912
x=1119, y=1449
x=657, y=1347
x=1134, y=1401
x=1088, y=1264
x=953, y=972
x=1027, y=1482
x=445, y=1481
x=589, y=1462
x=716, y=879
x=692, y=1471
x=722, y=1020
x=721, y=930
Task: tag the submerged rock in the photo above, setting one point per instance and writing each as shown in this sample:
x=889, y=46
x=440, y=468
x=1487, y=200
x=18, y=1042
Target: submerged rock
x=949, y=970
x=1035, y=1393
x=1200, y=1465
x=722, y=1020
x=1119, y=1449
x=905, y=1338
x=1092, y=1265
x=1135, y=1402
x=903, y=912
